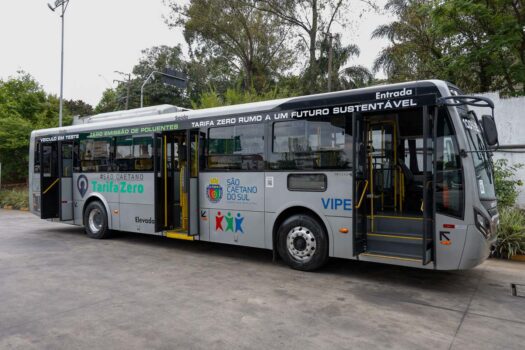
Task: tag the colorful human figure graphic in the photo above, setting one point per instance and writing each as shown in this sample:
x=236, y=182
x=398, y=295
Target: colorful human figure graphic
x=229, y=222
x=218, y=222
x=238, y=223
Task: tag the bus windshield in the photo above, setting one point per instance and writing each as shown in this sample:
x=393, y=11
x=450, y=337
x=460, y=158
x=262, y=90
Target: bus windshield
x=480, y=155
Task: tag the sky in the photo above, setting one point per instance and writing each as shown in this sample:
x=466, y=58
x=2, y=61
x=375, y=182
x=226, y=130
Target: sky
x=104, y=36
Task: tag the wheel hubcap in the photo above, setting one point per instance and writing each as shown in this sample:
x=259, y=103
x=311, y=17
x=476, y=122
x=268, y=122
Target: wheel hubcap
x=301, y=243
x=95, y=220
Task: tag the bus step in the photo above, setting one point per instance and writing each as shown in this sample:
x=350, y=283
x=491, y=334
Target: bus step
x=395, y=244
x=387, y=255
x=395, y=225
x=179, y=235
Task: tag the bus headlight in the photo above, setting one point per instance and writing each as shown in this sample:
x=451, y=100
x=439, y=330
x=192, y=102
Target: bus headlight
x=482, y=223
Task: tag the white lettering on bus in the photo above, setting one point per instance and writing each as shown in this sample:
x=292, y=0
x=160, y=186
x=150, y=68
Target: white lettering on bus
x=367, y=107
x=394, y=94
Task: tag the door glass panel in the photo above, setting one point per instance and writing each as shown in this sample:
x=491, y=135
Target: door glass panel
x=49, y=160
x=67, y=160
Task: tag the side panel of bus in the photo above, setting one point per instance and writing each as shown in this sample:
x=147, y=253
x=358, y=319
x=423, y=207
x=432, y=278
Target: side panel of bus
x=327, y=194
x=128, y=197
x=232, y=208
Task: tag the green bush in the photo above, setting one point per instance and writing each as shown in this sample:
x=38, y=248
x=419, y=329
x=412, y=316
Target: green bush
x=511, y=233
x=505, y=182
x=17, y=198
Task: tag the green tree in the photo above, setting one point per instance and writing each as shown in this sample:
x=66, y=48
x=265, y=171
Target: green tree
x=311, y=19
x=343, y=77
x=156, y=58
x=78, y=108
x=24, y=106
x=415, y=48
x=479, y=44
x=108, y=102
x=237, y=95
x=250, y=41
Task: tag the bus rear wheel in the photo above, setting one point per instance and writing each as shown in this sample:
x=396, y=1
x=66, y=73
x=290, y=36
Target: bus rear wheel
x=96, y=221
x=302, y=243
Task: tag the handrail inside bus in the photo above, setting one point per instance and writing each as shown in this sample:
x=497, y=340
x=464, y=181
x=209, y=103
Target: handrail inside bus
x=362, y=195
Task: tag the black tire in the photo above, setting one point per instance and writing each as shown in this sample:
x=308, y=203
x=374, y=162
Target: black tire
x=99, y=220
x=293, y=246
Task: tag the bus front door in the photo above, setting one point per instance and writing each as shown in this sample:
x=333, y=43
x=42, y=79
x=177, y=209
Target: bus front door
x=49, y=181
x=360, y=185
x=393, y=197
x=175, y=182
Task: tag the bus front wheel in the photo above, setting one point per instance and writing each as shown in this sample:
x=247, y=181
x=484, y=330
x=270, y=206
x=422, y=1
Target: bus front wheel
x=302, y=243
x=96, y=220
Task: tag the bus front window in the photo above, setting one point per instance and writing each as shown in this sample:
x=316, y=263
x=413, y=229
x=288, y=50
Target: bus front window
x=480, y=156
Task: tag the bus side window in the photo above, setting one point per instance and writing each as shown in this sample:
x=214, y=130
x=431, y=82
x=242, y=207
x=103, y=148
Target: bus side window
x=95, y=154
x=124, y=153
x=312, y=144
x=143, y=153
x=449, y=175
x=238, y=147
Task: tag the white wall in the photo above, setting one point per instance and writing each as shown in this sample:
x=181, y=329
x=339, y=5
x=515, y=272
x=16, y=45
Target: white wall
x=510, y=121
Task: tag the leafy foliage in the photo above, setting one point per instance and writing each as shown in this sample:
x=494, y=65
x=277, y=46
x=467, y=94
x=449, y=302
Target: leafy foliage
x=24, y=106
x=156, y=58
x=16, y=198
x=234, y=96
x=479, y=44
x=511, y=233
x=251, y=41
x=506, y=183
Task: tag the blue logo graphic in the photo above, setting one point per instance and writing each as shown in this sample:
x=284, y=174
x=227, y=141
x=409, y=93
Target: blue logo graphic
x=337, y=203
x=82, y=185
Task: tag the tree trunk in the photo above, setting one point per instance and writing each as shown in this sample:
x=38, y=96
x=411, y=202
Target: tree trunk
x=312, y=69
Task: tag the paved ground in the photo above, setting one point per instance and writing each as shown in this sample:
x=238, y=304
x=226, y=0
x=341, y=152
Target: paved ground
x=61, y=290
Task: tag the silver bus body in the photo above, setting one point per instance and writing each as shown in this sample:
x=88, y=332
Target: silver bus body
x=246, y=207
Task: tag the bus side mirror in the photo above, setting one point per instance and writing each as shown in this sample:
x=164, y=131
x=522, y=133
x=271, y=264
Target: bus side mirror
x=489, y=130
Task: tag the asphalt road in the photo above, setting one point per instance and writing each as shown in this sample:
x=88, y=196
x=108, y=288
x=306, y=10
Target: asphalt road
x=61, y=290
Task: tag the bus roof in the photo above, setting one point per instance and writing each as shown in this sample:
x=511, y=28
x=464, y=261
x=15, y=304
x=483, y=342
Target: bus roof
x=302, y=102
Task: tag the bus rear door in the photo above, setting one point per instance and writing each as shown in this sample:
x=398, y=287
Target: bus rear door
x=56, y=159
x=49, y=181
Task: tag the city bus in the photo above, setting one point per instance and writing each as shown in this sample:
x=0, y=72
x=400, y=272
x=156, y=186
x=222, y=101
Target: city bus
x=398, y=174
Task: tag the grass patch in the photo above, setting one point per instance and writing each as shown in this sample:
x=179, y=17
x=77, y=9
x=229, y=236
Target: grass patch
x=16, y=198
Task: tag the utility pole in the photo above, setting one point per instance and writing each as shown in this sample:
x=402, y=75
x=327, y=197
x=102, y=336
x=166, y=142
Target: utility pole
x=128, y=85
x=63, y=4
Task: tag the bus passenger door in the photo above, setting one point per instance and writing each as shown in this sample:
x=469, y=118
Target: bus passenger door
x=66, y=180
x=176, y=182
x=49, y=181
x=360, y=184
x=429, y=174
x=163, y=175
x=196, y=142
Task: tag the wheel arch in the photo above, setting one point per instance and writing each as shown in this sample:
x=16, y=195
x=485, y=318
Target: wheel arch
x=304, y=210
x=94, y=197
